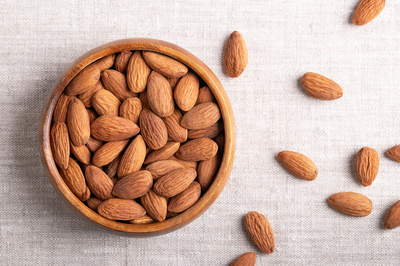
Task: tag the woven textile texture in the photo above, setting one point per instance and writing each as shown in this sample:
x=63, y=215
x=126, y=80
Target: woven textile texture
x=285, y=39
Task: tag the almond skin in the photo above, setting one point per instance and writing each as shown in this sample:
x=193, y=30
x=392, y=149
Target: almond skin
x=83, y=81
x=247, y=259
x=60, y=111
x=367, y=10
x=74, y=179
x=321, y=87
x=108, y=152
x=162, y=154
x=78, y=122
x=186, y=91
x=153, y=129
x=394, y=153
x=185, y=199
x=190, y=164
x=113, y=128
x=155, y=205
x=392, y=219
x=120, y=209
x=137, y=72
x=94, y=144
x=159, y=95
x=197, y=150
x=86, y=195
x=165, y=65
x=367, y=166
x=173, y=82
x=133, y=185
x=175, y=182
x=87, y=96
x=160, y=168
x=201, y=116
x=99, y=183
x=142, y=220
x=59, y=142
x=206, y=171
x=236, y=55
x=298, y=165
x=105, y=103
x=260, y=231
x=130, y=109
x=350, y=203
x=121, y=61
x=93, y=115
x=209, y=132
x=105, y=62
x=143, y=99
x=93, y=203
x=133, y=157
x=174, y=128
x=115, y=82
x=111, y=168
x=81, y=153
x=205, y=95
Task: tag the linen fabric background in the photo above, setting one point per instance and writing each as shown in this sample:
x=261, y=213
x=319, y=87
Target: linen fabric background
x=285, y=39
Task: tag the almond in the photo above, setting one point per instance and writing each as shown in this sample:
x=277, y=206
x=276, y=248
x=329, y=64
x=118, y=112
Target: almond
x=197, y=150
x=133, y=185
x=367, y=166
x=298, y=165
x=160, y=168
x=60, y=111
x=81, y=153
x=94, y=144
x=247, y=259
x=205, y=95
x=165, y=65
x=83, y=81
x=115, y=82
x=59, y=142
x=162, y=154
x=111, y=168
x=321, y=87
x=130, y=109
x=209, y=132
x=186, y=91
x=133, y=157
x=175, y=182
x=87, y=96
x=207, y=170
x=142, y=220
x=105, y=103
x=173, y=82
x=173, y=123
x=121, y=61
x=190, y=164
x=86, y=195
x=351, y=203
x=78, y=122
x=185, y=199
x=93, y=203
x=92, y=115
x=392, y=219
x=120, y=209
x=113, y=128
x=367, y=10
x=201, y=116
x=144, y=100
x=260, y=231
x=105, y=62
x=159, y=95
x=74, y=179
x=99, y=183
x=155, y=205
x=236, y=55
x=394, y=153
x=137, y=72
x=153, y=129
x=108, y=152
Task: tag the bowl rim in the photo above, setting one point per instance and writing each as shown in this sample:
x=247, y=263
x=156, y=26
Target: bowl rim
x=77, y=206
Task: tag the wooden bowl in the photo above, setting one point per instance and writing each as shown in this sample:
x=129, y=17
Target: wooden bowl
x=78, y=207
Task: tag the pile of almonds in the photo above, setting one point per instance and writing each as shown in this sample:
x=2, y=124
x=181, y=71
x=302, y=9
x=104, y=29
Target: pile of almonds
x=137, y=136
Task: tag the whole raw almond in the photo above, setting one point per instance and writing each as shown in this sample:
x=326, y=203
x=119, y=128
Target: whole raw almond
x=175, y=182
x=236, y=55
x=133, y=157
x=159, y=95
x=78, y=122
x=115, y=82
x=165, y=65
x=174, y=128
x=321, y=87
x=185, y=199
x=108, y=152
x=105, y=62
x=59, y=142
x=162, y=154
x=298, y=165
x=93, y=115
x=105, y=103
x=392, y=219
x=142, y=220
x=121, y=209
x=74, y=179
x=206, y=171
x=99, y=183
x=94, y=144
x=367, y=166
x=394, y=153
x=133, y=185
x=205, y=95
x=155, y=205
x=173, y=82
x=121, y=61
x=351, y=203
x=144, y=100
x=60, y=111
x=197, y=150
x=83, y=81
x=137, y=72
x=113, y=128
x=81, y=153
x=209, y=132
x=186, y=91
x=160, y=168
x=190, y=164
x=367, y=10
x=247, y=259
x=201, y=116
x=93, y=203
x=111, y=168
x=87, y=96
x=153, y=129
x=260, y=231
x=130, y=109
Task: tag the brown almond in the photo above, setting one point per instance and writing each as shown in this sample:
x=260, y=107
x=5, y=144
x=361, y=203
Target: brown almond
x=367, y=166
x=197, y=150
x=83, y=81
x=173, y=82
x=111, y=168
x=137, y=73
x=144, y=100
x=190, y=164
x=247, y=259
x=78, y=122
x=121, y=209
x=98, y=182
x=93, y=115
x=236, y=55
x=201, y=116
x=74, y=179
x=94, y=144
x=133, y=185
x=394, y=153
x=321, y=87
x=105, y=62
x=173, y=123
x=209, y=132
x=87, y=96
x=142, y=220
x=351, y=203
x=162, y=154
x=175, y=182
x=108, y=152
x=165, y=65
x=133, y=157
x=121, y=61
x=153, y=129
x=60, y=111
x=115, y=82
x=81, y=153
x=185, y=199
x=159, y=95
x=392, y=219
x=113, y=128
x=155, y=205
x=59, y=142
x=130, y=109
x=93, y=203
x=367, y=10
x=160, y=168
x=206, y=171
x=205, y=95
x=86, y=195
x=298, y=165
x=260, y=231
x=105, y=103
x=186, y=91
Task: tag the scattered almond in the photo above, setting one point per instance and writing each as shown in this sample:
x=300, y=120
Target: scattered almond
x=392, y=219
x=321, y=87
x=394, y=153
x=351, y=203
x=236, y=55
x=367, y=166
x=298, y=165
x=260, y=231
x=247, y=259
x=367, y=10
